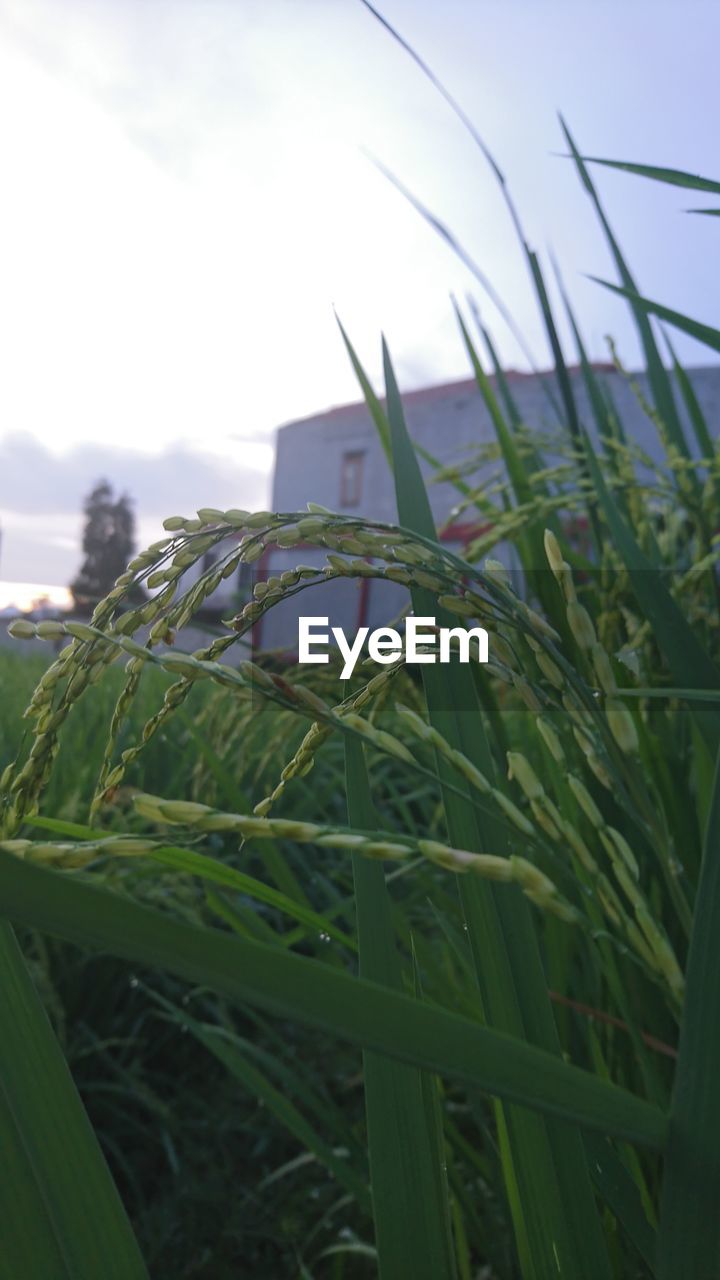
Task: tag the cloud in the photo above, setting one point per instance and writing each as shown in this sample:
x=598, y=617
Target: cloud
x=42, y=493
x=34, y=479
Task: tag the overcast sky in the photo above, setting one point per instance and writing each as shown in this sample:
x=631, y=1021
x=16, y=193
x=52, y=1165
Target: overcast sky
x=186, y=196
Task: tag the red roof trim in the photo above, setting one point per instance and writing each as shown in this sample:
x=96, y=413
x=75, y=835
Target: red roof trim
x=464, y=531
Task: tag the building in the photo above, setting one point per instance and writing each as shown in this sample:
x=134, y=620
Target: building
x=335, y=458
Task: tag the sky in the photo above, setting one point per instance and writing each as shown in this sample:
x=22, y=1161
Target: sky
x=188, y=197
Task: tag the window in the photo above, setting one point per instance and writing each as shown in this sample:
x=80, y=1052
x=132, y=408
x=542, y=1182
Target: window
x=351, y=474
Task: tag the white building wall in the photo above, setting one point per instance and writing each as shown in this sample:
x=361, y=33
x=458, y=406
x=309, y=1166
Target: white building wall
x=450, y=422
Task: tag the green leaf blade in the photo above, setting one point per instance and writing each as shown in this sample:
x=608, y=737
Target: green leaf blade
x=318, y=995
x=76, y=1219
x=547, y=1180
x=412, y=1223
x=689, y=1231
x=657, y=173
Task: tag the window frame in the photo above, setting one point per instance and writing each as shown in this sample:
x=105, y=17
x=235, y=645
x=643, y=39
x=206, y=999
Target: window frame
x=352, y=468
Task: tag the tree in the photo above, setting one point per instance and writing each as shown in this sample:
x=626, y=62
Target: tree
x=108, y=544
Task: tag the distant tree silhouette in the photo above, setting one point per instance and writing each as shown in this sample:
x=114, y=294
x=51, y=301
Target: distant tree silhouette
x=108, y=544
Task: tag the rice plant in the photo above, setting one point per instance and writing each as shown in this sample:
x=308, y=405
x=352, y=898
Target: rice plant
x=496, y=882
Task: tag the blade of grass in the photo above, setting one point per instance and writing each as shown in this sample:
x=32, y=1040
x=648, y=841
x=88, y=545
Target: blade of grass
x=379, y=417
x=226, y=1050
x=267, y=1047
x=411, y=1217
x=546, y=1173
x=213, y=871
x=29, y=1245
x=76, y=1226
x=511, y=409
x=685, y=655
x=621, y=1195
x=703, y=332
x=689, y=1229
x=216, y=872
x=530, y=543
x=566, y=391
x=498, y=174
x=432, y=1104
x=692, y=404
x=685, y=695
x=606, y=422
x=461, y=253
x=309, y=991
x=235, y=798
x=657, y=374
x=377, y=413
x=516, y=471
x=673, y=177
